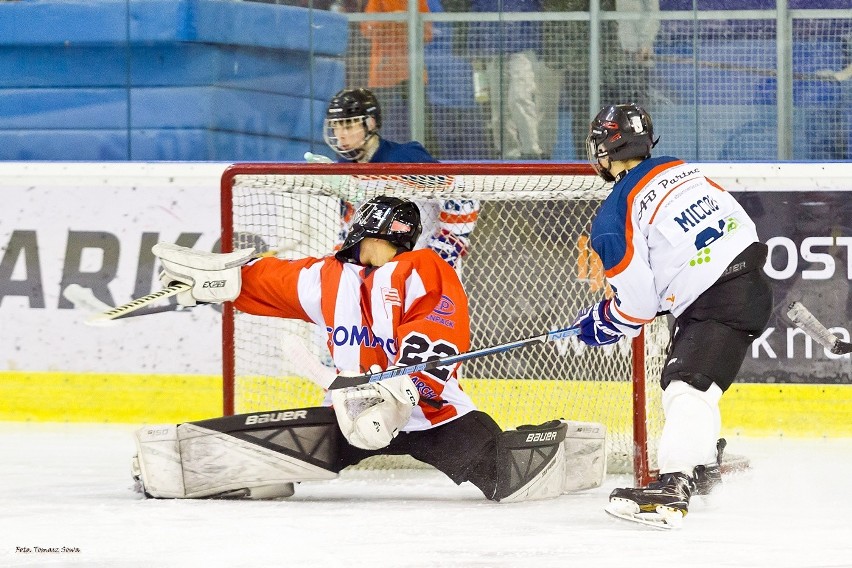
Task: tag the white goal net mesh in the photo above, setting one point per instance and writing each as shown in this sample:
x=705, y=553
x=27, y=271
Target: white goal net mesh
x=529, y=270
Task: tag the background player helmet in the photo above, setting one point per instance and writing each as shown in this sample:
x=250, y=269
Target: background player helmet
x=619, y=132
x=390, y=218
x=352, y=106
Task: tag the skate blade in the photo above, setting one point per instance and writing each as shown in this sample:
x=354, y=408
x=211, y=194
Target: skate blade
x=664, y=518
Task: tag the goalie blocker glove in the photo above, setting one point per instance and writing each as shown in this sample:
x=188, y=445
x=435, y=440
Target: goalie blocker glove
x=214, y=278
x=371, y=415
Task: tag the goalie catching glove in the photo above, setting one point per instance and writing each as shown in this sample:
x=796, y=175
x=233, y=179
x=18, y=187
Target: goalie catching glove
x=449, y=246
x=371, y=415
x=214, y=278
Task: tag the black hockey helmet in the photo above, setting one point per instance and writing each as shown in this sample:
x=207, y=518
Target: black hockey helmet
x=389, y=218
x=352, y=106
x=619, y=132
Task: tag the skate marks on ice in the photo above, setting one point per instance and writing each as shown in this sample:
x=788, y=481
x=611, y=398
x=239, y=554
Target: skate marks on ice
x=71, y=486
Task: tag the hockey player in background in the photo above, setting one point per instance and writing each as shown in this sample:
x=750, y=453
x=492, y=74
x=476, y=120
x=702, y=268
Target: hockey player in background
x=382, y=303
x=673, y=242
x=352, y=124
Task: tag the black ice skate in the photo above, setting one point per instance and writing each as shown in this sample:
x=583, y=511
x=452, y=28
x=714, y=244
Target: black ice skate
x=662, y=504
x=708, y=478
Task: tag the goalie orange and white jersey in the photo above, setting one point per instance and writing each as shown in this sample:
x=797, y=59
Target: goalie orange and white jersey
x=410, y=310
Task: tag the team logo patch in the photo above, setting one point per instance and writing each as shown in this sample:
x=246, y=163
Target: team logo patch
x=391, y=298
x=446, y=307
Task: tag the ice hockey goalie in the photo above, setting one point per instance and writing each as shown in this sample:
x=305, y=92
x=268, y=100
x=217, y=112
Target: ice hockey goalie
x=262, y=455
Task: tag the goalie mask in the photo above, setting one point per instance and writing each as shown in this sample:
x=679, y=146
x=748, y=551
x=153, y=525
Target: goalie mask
x=389, y=218
x=352, y=119
x=619, y=132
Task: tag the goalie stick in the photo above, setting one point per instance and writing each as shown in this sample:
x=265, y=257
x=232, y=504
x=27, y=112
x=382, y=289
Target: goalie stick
x=344, y=381
x=137, y=304
x=806, y=321
x=84, y=299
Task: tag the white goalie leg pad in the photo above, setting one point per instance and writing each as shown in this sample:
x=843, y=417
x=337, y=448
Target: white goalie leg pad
x=157, y=461
x=546, y=461
x=585, y=456
x=189, y=461
x=215, y=278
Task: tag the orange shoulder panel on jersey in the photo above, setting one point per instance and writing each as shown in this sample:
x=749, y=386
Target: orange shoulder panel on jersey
x=442, y=311
x=270, y=288
x=436, y=324
x=628, y=221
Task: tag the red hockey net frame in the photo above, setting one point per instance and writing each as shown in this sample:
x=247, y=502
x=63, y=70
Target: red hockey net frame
x=641, y=373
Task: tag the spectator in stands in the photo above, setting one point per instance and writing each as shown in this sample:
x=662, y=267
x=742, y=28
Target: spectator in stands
x=510, y=54
x=632, y=62
x=388, y=76
x=625, y=56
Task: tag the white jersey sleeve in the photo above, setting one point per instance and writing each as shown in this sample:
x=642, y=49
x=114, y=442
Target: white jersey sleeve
x=665, y=234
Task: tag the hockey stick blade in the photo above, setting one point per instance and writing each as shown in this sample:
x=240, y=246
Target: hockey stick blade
x=84, y=299
x=343, y=381
x=806, y=321
x=137, y=304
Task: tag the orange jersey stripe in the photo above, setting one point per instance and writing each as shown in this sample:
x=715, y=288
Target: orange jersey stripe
x=711, y=182
x=660, y=204
x=628, y=229
x=714, y=184
x=625, y=317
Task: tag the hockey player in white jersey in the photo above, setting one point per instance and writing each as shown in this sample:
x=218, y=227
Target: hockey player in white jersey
x=674, y=242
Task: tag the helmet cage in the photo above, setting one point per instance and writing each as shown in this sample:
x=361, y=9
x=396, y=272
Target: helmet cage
x=333, y=125
x=347, y=109
x=388, y=218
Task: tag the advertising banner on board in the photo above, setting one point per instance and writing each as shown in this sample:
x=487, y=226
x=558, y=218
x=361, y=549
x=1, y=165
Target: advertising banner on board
x=94, y=224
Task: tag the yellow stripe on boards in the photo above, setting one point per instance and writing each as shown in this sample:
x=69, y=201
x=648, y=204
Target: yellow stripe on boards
x=125, y=398
x=747, y=409
x=805, y=411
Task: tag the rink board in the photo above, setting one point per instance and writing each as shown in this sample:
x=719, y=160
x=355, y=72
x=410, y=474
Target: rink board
x=747, y=409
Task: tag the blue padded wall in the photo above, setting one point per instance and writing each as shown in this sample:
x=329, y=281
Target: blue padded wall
x=165, y=79
x=725, y=107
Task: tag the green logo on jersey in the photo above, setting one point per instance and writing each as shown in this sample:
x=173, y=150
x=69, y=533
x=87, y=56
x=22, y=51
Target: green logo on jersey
x=702, y=258
x=732, y=225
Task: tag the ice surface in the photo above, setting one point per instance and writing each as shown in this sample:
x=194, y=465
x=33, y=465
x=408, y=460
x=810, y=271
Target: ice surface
x=69, y=485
